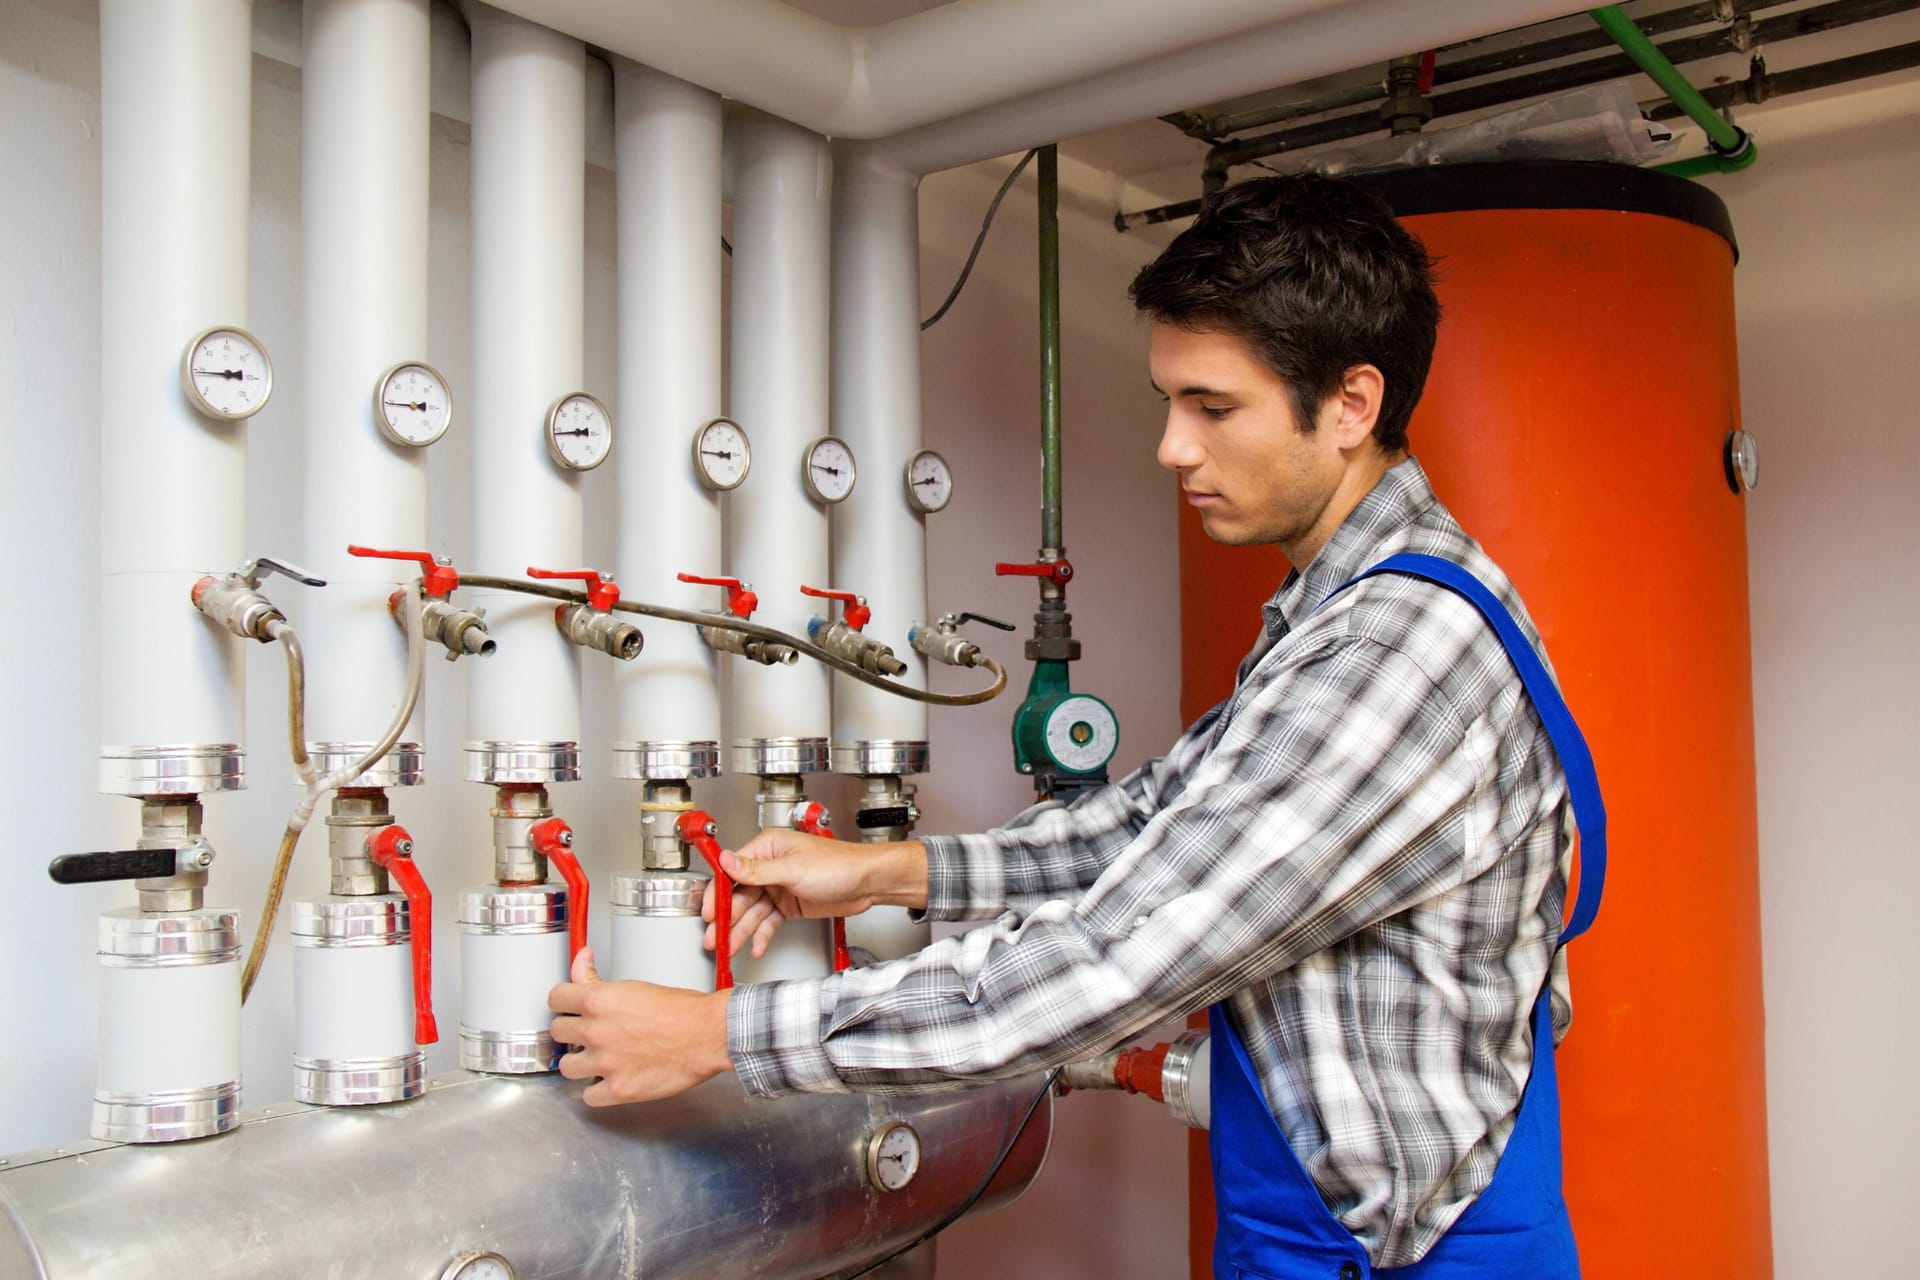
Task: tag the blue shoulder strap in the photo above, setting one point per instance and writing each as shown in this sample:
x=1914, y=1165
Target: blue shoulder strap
x=1583, y=784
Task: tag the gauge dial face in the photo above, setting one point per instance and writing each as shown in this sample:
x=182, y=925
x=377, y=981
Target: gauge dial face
x=579, y=432
x=721, y=454
x=929, y=482
x=1082, y=733
x=1742, y=461
x=226, y=373
x=827, y=469
x=482, y=1264
x=893, y=1156
x=412, y=404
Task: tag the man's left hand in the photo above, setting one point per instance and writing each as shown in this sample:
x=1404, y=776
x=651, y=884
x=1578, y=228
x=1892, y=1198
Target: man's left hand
x=642, y=1041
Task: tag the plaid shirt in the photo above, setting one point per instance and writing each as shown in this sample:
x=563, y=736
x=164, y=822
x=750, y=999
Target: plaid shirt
x=1363, y=852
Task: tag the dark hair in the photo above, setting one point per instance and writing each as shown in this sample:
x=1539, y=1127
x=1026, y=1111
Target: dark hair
x=1316, y=276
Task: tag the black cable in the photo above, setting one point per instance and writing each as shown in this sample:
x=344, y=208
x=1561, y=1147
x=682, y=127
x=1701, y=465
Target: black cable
x=979, y=240
x=973, y=1198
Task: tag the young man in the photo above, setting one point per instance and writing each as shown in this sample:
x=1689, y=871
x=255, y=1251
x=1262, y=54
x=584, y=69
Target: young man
x=1359, y=858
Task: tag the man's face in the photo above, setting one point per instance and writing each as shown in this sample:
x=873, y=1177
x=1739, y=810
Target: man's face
x=1234, y=439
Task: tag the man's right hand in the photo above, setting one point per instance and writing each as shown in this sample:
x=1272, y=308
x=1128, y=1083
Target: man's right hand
x=783, y=875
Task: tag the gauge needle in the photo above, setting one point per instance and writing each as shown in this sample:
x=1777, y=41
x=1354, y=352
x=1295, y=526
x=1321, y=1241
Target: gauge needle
x=577, y=431
x=715, y=453
x=419, y=406
x=929, y=480
x=832, y=471
x=232, y=375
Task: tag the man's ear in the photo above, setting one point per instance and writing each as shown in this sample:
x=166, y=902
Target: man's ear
x=1352, y=410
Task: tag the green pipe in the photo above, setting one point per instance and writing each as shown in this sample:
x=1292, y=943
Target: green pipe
x=1050, y=535
x=1725, y=138
x=1712, y=162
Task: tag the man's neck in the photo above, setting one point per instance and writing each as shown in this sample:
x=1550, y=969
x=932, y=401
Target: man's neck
x=1361, y=475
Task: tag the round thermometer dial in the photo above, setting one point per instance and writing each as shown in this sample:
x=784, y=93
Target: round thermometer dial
x=893, y=1156
x=929, y=482
x=827, y=469
x=226, y=373
x=579, y=432
x=481, y=1264
x=721, y=454
x=412, y=404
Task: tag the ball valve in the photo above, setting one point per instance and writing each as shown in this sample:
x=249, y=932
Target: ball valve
x=234, y=601
x=591, y=625
x=741, y=602
x=698, y=829
x=392, y=848
x=842, y=636
x=943, y=643
x=461, y=631
x=1172, y=1072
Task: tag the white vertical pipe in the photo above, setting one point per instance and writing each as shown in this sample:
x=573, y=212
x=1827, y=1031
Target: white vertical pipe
x=879, y=541
x=175, y=116
x=529, y=333
x=782, y=188
x=364, y=139
x=667, y=145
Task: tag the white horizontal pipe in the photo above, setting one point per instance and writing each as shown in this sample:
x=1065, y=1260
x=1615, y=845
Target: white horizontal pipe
x=175, y=112
x=364, y=139
x=782, y=187
x=529, y=333
x=879, y=541
x=667, y=140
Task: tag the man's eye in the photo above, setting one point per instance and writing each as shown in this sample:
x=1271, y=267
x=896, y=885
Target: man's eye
x=1217, y=411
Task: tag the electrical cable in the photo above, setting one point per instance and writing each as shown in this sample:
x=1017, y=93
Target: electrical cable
x=755, y=631
x=985, y=225
x=319, y=785
x=973, y=1197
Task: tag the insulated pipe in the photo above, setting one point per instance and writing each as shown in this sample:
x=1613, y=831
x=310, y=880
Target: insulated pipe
x=529, y=334
x=364, y=138
x=667, y=143
x=782, y=178
x=175, y=104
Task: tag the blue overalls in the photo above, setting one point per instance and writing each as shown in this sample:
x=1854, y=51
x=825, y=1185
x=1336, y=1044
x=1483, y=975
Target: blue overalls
x=1273, y=1224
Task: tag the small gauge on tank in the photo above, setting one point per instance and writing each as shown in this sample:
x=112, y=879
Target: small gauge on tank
x=827, y=469
x=579, y=431
x=226, y=373
x=481, y=1264
x=929, y=482
x=893, y=1156
x=412, y=405
x=721, y=454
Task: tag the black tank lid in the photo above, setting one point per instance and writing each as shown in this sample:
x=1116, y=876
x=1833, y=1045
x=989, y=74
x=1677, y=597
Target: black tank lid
x=1550, y=184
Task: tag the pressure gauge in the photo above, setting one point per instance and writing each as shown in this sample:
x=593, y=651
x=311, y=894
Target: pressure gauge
x=481, y=1264
x=721, y=454
x=1740, y=458
x=826, y=468
x=226, y=373
x=893, y=1156
x=1082, y=733
x=412, y=404
x=579, y=432
x=929, y=482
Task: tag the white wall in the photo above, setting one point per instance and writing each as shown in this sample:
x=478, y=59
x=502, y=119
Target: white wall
x=1828, y=299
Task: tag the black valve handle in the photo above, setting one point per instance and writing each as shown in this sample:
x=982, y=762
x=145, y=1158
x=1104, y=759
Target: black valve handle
x=893, y=816
x=965, y=618
x=118, y=864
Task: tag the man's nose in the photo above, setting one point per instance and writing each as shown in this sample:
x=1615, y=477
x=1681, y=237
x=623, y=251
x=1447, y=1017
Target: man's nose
x=1178, y=449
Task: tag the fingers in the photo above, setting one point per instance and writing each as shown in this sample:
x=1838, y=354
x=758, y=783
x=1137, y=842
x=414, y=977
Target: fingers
x=583, y=970
x=568, y=997
x=569, y=1029
x=763, y=936
x=746, y=923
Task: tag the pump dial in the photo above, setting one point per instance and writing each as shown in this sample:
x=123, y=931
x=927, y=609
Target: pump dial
x=929, y=482
x=893, y=1156
x=226, y=373
x=827, y=469
x=721, y=454
x=1082, y=733
x=481, y=1264
x=412, y=405
x=579, y=432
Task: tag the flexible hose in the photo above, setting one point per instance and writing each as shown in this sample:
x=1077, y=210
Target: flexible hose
x=319, y=785
x=282, y=631
x=758, y=632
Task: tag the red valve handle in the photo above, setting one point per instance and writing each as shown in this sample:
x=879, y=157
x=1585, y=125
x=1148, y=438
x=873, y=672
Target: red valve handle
x=696, y=827
x=813, y=818
x=392, y=848
x=1142, y=1070
x=1060, y=571
x=853, y=612
x=602, y=593
x=741, y=601
x=553, y=840
x=436, y=579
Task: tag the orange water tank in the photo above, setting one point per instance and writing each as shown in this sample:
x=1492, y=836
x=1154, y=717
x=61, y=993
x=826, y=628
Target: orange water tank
x=1575, y=422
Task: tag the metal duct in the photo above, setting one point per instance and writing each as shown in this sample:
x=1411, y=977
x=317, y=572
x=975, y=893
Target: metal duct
x=712, y=1183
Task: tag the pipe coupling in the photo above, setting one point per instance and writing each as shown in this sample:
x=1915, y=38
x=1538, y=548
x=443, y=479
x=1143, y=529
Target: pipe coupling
x=843, y=641
x=599, y=629
x=765, y=652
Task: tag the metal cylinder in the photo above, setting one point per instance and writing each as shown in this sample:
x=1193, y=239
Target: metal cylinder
x=619, y=1192
x=658, y=931
x=513, y=951
x=353, y=1002
x=169, y=1063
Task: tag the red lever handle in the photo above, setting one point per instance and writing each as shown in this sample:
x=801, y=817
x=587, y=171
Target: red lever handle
x=853, y=612
x=696, y=827
x=602, y=593
x=392, y=848
x=436, y=579
x=741, y=601
x=1143, y=1070
x=1060, y=571
x=813, y=818
x=553, y=840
